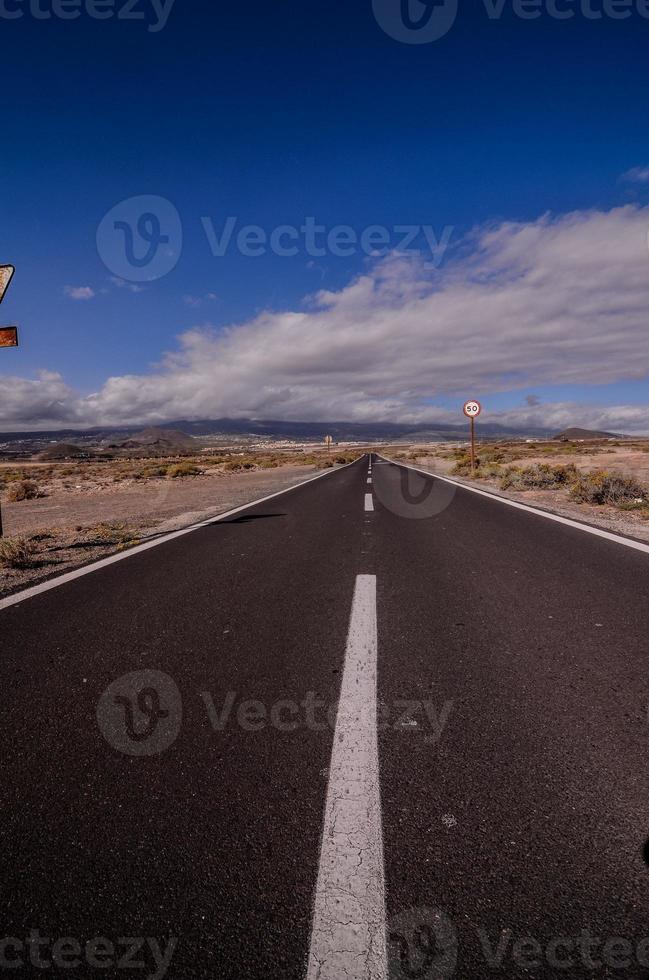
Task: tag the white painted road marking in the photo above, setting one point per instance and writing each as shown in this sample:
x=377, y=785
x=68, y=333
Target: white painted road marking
x=348, y=936
x=617, y=538
x=54, y=583
x=369, y=503
x=369, y=479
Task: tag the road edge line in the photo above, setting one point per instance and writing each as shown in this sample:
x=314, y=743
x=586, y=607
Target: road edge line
x=568, y=521
x=54, y=583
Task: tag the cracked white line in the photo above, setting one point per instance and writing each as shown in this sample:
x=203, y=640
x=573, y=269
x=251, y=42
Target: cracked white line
x=348, y=935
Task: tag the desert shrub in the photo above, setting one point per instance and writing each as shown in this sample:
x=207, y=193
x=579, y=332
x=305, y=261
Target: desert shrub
x=324, y=464
x=603, y=487
x=24, y=490
x=107, y=533
x=490, y=470
x=269, y=464
x=639, y=505
x=539, y=476
x=182, y=470
x=463, y=465
x=232, y=467
x=16, y=552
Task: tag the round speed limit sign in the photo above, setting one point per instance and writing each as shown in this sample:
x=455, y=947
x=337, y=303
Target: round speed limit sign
x=472, y=409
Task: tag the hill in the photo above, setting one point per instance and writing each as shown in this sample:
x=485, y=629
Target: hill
x=569, y=435
x=156, y=441
x=62, y=450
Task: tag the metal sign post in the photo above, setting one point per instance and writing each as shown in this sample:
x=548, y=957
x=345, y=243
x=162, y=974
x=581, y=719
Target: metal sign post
x=472, y=409
x=8, y=335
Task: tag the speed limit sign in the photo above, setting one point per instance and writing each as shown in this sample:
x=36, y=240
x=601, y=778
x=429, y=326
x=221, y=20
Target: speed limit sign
x=472, y=409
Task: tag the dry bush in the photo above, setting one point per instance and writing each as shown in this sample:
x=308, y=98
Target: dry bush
x=23, y=490
x=540, y=476
x=16, y=552
x=182, y=470
x=603, y=487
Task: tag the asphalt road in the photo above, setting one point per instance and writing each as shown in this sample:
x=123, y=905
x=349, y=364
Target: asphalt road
x=180, y=792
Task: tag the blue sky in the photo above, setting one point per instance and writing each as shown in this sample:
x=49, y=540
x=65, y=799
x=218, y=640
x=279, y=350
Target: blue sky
x=273, y=112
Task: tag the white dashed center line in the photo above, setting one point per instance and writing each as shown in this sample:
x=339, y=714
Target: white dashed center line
x=369, y=503
x=348, y=937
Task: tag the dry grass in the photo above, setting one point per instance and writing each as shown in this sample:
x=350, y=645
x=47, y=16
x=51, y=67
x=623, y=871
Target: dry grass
x=16, y=552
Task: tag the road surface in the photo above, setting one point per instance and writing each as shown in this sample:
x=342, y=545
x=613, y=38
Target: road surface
x=181, y=792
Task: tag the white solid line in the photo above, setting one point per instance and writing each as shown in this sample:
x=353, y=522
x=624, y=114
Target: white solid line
x=617, y=538
x=54, y=583
x=348, y=935
x=369, y=503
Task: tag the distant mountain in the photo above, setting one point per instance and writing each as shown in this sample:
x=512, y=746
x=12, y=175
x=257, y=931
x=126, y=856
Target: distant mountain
x=281, y=429
x=347, y=431
x=155, y=440
x=573, y=434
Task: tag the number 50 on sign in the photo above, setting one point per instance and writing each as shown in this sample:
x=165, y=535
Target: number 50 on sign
x=472, y=409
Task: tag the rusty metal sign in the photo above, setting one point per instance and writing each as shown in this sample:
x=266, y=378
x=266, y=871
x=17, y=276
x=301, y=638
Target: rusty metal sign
x=6, y=275
x=8, y=336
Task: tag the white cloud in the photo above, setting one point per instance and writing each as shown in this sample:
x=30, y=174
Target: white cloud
x=132, y=287
x=79, y=292
x=196, y=301
x=637, y=175
x=558, y=301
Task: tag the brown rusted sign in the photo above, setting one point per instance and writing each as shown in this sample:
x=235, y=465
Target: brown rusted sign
x=8, y=336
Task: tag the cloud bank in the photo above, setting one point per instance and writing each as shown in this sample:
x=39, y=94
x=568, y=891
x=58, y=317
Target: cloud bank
x=557, y=301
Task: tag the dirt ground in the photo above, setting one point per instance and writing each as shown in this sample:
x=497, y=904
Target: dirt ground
x=628, y=462
x=68, y=529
